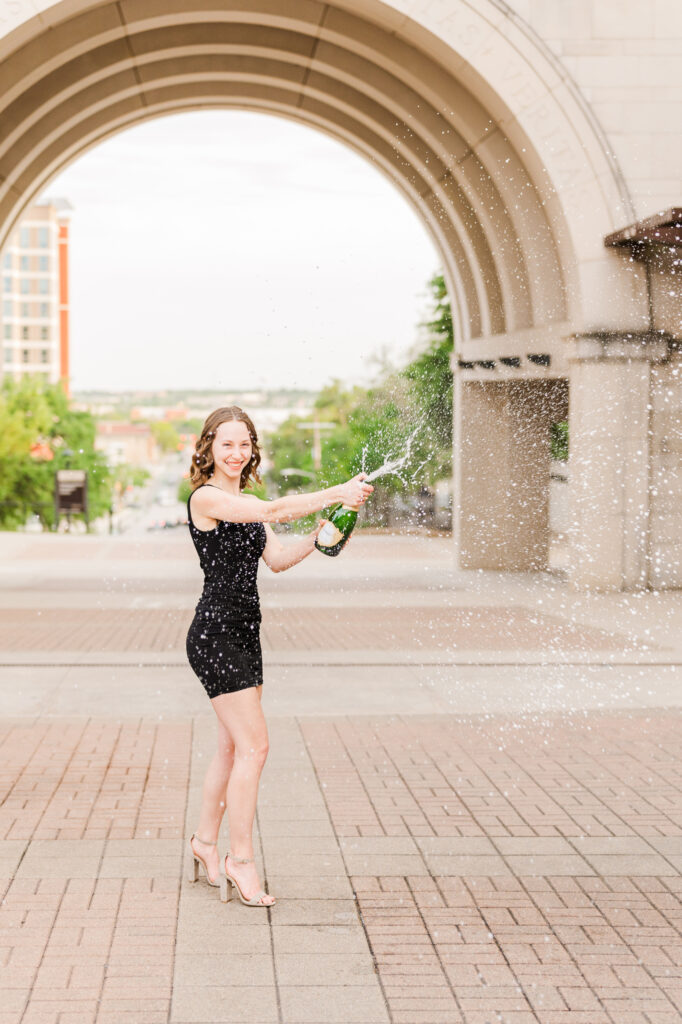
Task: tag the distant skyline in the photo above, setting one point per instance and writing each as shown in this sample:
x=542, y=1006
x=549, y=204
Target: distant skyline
x=236, y=250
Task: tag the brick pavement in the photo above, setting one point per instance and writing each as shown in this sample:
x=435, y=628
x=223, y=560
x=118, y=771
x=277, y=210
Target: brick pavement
x=490, y=868
x=93, y=779
x=308, y=628
x=500, y=870
x=88, y=916
x=506, y=904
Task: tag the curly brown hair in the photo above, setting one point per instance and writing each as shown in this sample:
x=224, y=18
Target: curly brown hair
x=202, y=461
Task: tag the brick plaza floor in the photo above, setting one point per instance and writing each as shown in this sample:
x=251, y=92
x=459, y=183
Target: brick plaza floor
x=489, y=833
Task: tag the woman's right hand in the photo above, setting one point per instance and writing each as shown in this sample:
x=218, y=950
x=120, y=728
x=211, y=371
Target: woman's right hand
x=354, y=491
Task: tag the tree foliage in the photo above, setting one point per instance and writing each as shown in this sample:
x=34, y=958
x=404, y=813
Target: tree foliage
x=165, y=435
x=373, y=424
x=559, y=441
x=430, y=374
x=32, y=413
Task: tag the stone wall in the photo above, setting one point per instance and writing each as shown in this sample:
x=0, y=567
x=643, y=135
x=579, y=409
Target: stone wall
x=624, y=56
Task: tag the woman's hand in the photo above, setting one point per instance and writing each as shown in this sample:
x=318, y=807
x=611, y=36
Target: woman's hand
x=354, y=491
x=318, y=527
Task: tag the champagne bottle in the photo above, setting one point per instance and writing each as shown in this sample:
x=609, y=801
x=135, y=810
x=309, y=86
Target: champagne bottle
x=337, y=529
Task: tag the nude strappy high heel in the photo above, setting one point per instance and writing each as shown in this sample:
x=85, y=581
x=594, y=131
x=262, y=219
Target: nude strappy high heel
x=196, y=860
x=255, y=901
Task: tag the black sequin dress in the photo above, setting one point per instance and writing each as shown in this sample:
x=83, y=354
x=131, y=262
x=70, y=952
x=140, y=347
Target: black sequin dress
x=223, y=641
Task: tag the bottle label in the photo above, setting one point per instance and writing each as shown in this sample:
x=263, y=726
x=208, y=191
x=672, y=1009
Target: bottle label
x=329, y=535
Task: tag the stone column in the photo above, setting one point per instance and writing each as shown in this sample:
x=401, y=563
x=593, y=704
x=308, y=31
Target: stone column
x=501, y=471
x=610, y=460
x=666, y=474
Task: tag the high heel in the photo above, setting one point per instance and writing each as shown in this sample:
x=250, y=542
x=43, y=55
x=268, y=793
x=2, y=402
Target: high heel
x=195, y=860
x=255, y=901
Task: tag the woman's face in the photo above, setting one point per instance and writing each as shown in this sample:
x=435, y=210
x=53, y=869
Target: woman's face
x=232, y=448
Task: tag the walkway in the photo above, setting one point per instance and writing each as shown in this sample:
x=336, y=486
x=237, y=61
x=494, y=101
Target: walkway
x=471, y=810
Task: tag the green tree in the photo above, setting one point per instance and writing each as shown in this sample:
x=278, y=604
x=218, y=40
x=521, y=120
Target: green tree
x=24, y=419
x=165, y=435
x=184, y=490
x=559, y=441
x=430, y=374
x=376, y=423
x=126, y=475
x=33, y=412
x=289, y=447
x=373, y=424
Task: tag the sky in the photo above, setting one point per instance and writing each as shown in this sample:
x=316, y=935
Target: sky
x=236, y=250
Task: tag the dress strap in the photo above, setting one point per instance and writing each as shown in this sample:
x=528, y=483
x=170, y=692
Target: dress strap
x=189, y=511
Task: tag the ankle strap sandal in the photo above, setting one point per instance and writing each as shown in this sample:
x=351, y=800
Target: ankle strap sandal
x=256, y=900
x=195, y=860
x=208, y=842
x=240, y=860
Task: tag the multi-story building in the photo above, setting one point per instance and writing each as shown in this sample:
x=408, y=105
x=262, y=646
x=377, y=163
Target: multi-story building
x=126, y=442
x=35, y=294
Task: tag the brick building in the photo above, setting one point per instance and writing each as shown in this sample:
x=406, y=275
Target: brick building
x=35, y=294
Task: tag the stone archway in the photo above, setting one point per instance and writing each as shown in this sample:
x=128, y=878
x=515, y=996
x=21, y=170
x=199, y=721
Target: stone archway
x=460, y=105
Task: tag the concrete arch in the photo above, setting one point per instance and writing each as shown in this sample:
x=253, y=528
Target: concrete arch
x=383, y=79
x=461, y=284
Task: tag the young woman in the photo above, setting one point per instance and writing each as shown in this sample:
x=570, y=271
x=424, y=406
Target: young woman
x=231, y=531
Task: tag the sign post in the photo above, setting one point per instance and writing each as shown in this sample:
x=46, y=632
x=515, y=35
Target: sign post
x=71, y=495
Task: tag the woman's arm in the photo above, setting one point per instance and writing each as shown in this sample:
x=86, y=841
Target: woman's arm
x=278, y=556
x=246, y=508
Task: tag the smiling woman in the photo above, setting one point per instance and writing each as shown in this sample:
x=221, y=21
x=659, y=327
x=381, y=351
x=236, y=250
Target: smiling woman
x=231, y=532
x=203, y=462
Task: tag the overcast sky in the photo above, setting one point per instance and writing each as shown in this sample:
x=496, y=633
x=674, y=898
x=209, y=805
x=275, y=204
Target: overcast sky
x=233, y=249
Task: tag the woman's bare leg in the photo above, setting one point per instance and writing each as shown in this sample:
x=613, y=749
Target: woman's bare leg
x=214, y=800
x=242, y=716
